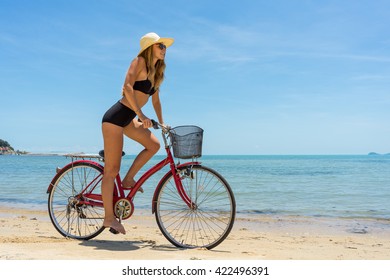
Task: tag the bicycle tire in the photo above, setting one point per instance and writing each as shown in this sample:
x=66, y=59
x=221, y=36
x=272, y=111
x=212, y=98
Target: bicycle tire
x=71, y=218
x=210, y=222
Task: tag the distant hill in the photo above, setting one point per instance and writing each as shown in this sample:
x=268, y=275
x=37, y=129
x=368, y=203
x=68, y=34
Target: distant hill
x=376, y=154
x=7, y=149
x=5, y=144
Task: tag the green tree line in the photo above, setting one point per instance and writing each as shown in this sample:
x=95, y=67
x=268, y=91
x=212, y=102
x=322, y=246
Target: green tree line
x=5, y=144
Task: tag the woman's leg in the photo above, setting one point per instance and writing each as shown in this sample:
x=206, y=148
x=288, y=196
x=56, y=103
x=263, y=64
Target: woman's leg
x=113, y=145
x=138, y=133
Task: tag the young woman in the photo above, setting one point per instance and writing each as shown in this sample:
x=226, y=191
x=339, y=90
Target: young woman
x=143, y=80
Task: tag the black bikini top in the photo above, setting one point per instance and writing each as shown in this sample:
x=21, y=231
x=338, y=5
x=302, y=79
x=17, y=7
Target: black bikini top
x=144, y=86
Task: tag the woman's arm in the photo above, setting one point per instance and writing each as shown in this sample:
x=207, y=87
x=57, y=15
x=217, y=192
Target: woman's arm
x=157, y=106
x=128, y=91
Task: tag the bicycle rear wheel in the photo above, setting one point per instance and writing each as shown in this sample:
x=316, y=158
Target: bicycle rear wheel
x=205, y=225
x=74, y=202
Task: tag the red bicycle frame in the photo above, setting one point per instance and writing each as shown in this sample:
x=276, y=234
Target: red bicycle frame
x=119, y=191
x=168, y=160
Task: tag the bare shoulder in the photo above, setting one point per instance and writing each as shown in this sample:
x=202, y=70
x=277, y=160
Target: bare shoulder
x=138, y=64
x=140, y=59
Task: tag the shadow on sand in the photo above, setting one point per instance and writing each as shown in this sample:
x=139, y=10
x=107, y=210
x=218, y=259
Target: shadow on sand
x=122, y=246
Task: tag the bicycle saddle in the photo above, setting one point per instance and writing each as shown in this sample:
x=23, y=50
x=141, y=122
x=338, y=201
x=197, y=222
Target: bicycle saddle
x=101, y=153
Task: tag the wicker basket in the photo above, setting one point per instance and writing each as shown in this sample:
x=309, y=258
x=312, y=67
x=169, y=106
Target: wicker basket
x=187, y=141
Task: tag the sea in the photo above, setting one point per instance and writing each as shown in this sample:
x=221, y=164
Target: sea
x=337, y=186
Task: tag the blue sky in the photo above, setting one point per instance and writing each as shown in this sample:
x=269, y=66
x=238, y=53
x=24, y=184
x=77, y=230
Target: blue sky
x=261, y=77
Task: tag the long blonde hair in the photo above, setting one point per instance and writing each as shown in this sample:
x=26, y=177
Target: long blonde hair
x=155, y=72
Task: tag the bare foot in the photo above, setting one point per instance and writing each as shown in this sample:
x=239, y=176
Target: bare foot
x=129, y=184
x=115, y=225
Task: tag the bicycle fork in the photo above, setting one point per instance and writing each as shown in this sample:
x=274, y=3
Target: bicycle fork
x=178, y=181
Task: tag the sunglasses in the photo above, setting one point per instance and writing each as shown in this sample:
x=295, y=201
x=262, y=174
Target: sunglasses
x=161, y=46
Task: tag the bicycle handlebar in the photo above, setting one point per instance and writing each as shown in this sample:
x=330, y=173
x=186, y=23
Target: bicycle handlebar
x=157, y=125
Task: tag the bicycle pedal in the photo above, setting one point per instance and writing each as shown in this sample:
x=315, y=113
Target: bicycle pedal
x=82, y=215
x=113, y=231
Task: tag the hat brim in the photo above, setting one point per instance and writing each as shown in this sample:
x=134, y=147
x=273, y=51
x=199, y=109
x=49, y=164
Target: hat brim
x=166, y=41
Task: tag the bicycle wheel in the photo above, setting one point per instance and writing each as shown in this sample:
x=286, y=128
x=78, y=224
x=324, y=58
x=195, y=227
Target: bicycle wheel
x=73, y=211
x=205, y=225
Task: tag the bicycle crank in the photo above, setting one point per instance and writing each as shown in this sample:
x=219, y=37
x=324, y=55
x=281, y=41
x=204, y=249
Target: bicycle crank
x=123, y=209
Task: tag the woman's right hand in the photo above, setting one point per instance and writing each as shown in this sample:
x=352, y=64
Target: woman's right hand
x=146, y=122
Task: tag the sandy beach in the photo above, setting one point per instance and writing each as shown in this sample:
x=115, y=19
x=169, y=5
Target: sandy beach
x=29, y=235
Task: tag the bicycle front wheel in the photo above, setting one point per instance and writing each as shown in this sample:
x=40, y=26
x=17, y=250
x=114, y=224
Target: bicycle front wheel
x=74, y=202
x=211, y=218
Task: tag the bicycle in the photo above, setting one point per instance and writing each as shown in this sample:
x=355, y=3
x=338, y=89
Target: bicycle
x=194, y=205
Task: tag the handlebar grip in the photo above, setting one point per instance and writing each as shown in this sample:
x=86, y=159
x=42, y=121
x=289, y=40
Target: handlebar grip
x=154, y=123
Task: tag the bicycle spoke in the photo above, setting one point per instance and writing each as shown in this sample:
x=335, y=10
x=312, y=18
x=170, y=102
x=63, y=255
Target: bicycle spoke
x=69, y=213
x=208, y=222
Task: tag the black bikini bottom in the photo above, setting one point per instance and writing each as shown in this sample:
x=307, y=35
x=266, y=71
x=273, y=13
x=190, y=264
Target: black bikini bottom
x=119, y=114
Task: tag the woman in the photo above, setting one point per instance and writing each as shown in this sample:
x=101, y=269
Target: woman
x=143, y=80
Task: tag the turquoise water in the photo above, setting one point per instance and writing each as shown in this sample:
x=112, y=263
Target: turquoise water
x=328, y=186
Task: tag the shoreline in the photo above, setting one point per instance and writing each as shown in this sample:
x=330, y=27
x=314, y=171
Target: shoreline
x=249, y=214
x=28, y=234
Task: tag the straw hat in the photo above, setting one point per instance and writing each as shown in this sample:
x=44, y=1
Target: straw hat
x=152, y=38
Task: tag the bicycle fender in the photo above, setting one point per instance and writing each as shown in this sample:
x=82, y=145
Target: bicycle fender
x=156, y=191
x=67, y=166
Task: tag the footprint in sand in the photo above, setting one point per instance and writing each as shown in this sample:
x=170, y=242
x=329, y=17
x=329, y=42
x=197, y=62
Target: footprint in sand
x=248, y=253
